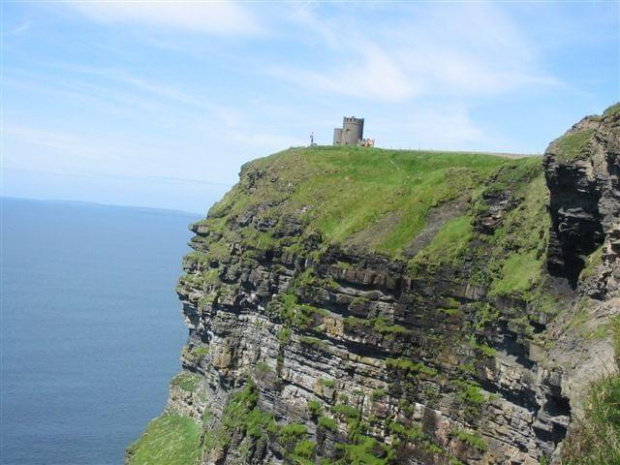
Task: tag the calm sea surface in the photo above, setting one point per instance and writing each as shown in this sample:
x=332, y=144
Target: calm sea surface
x=91, y=327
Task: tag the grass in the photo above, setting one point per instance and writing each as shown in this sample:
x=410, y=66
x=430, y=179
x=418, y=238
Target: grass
x=593, y=260
x=612, y=110
x=375, y=198
x=186, y=381
x=406, y=366
x=527, y=226
x=328, y=423
x=168, y=440
x=378, y=394
x=472, y=440
x=512, y=258
x=195, y=354
x=379, y=325
x=597, y=438
x=519, y=272
x=364, y=452
x=292, y=432
x=328, y=383
x=570, y=146
x=315, y=408
x=446, y=247
x=241, y=417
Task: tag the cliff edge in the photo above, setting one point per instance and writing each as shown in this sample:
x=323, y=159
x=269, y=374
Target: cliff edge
x=369, y=306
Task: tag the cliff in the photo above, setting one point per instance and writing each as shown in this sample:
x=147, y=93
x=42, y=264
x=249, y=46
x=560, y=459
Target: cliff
x=368, y=306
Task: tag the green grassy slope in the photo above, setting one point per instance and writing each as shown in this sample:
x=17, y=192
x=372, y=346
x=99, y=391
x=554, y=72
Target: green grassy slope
x=376, y=198
x=168, y=440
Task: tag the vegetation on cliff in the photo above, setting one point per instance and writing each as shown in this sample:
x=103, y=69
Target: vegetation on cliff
x=375, y=198
x=438, y=216
x=373, y=307
x=596, y=436
x=168, y=440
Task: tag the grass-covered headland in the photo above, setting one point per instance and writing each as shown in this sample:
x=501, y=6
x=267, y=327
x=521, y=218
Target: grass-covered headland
x=469, y=232
x=376, y=198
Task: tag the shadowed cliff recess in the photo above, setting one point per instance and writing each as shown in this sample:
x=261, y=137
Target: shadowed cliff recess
x=352, y=305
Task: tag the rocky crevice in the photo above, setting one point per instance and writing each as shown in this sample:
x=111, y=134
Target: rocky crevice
x=583, y=179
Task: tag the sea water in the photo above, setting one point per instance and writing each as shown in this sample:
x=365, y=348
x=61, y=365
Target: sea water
x=91, y=327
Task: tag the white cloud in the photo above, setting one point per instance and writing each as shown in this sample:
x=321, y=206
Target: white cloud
x=372, y=74
x=467, y=50
x=218, y=18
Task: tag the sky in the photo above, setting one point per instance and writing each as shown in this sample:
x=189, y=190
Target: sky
x=160, y=103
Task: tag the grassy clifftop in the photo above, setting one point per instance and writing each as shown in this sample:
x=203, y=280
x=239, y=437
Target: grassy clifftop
x=374, y=198
x=435, y=268
x=430, y=210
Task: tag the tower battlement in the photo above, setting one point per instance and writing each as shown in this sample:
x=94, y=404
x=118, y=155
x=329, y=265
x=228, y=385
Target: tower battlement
x=352, y=119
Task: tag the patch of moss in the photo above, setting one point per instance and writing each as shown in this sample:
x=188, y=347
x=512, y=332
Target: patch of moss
x=484, y=348
x=284, y=335
x=378, y=394
x=346, y=412
x=470, y=395
x=313, y=343
x=292, y=432
x=304, y=450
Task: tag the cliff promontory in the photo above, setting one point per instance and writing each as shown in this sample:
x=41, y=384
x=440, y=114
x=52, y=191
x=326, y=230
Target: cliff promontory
x=370, y=306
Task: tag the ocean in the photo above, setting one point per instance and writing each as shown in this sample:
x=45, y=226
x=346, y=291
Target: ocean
x=91, y=327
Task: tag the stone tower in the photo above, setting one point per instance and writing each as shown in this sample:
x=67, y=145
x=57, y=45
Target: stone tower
x=351, y=133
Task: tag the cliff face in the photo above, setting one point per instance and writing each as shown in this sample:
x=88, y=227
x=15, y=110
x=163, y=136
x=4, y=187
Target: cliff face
x=351, y=306
x=582, y=170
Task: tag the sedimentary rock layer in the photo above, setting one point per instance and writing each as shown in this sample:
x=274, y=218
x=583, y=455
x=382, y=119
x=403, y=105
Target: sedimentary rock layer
x=365, y=306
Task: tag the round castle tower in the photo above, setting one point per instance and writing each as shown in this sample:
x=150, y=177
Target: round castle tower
x=352, y=132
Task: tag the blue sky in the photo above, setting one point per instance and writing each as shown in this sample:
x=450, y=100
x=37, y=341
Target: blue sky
x=159, y=103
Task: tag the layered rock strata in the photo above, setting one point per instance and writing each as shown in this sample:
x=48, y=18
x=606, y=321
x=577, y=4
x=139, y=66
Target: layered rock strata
x=468, y=343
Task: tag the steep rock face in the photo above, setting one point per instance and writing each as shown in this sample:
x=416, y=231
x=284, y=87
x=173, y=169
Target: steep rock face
x=351, y=306
x=582, y=170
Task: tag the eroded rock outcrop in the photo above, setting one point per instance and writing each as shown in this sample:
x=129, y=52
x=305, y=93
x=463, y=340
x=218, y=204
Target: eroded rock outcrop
x=582, y=169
